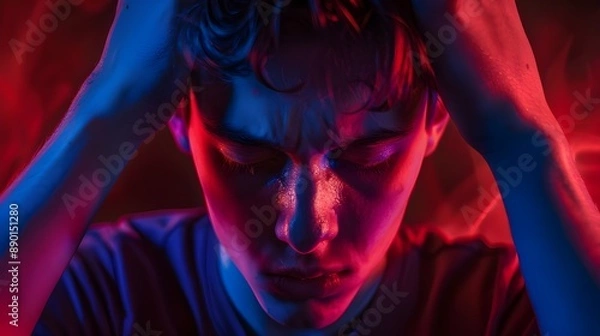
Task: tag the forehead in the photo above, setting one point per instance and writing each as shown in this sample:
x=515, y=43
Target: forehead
x=323, y=85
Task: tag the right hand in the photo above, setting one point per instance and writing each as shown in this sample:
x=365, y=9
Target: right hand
x=141, y=59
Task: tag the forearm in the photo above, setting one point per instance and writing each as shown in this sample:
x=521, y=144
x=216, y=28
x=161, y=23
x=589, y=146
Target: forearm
x=555, y=227
x=56, y=197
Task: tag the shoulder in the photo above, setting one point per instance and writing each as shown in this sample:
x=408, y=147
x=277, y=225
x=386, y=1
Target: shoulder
x=435, y=246
x=122, y=271
x=142, y=236
x=470, y=264
x=473, y=278
x=155, y=228
x=166, y=245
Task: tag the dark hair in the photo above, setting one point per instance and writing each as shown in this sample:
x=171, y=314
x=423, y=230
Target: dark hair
x=230, y=38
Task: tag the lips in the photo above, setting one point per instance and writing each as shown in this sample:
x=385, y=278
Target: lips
x=301, y=285
x=301, y=274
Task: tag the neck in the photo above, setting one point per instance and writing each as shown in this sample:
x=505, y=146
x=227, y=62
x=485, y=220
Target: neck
x=246, y=304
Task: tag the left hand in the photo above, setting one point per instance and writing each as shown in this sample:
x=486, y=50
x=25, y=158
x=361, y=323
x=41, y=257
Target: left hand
x=486, y=73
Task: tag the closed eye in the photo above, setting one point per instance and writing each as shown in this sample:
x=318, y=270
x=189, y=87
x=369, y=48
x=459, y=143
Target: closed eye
x=366, y=156
x=246, y=154
x=363, y=166
x=252, y=159
x=375, y=158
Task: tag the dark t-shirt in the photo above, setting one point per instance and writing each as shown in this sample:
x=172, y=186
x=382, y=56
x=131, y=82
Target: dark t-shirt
x=157, y=274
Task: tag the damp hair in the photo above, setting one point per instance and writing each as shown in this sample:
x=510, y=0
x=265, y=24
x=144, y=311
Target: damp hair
x=235, y=37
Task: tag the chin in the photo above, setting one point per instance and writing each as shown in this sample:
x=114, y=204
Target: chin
x=309, y=314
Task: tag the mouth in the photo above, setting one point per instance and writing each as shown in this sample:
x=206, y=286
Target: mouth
x=302, y=285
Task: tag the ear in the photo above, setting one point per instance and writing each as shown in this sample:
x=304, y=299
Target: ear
x=437, y=119
x=179, y=127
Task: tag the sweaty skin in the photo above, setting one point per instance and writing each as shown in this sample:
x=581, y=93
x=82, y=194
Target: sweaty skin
x=328, y=174
x=138, y=71
x=486, y=78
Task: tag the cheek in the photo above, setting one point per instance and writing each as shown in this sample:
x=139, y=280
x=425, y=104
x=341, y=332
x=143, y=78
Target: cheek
x=239, y=204
x=368, y=224
x=373, y=208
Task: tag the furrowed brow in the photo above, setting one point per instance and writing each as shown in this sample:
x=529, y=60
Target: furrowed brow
x=238, y=136
x=378, y=137
x=383, y=135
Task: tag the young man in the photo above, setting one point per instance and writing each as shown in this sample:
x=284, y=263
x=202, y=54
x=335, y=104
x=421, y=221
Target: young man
x=308, y=124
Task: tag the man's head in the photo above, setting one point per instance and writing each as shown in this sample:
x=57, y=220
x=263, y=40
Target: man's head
x=308, y=138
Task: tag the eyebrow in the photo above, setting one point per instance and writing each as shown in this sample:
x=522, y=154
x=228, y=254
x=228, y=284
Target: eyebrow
x=377, y=137
x=239, y=136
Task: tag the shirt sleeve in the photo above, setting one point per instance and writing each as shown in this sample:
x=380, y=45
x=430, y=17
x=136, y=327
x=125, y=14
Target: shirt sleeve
x=85, y=301
x=517, y=316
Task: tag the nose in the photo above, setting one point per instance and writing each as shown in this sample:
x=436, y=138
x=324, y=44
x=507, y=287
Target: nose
x=313, y=222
